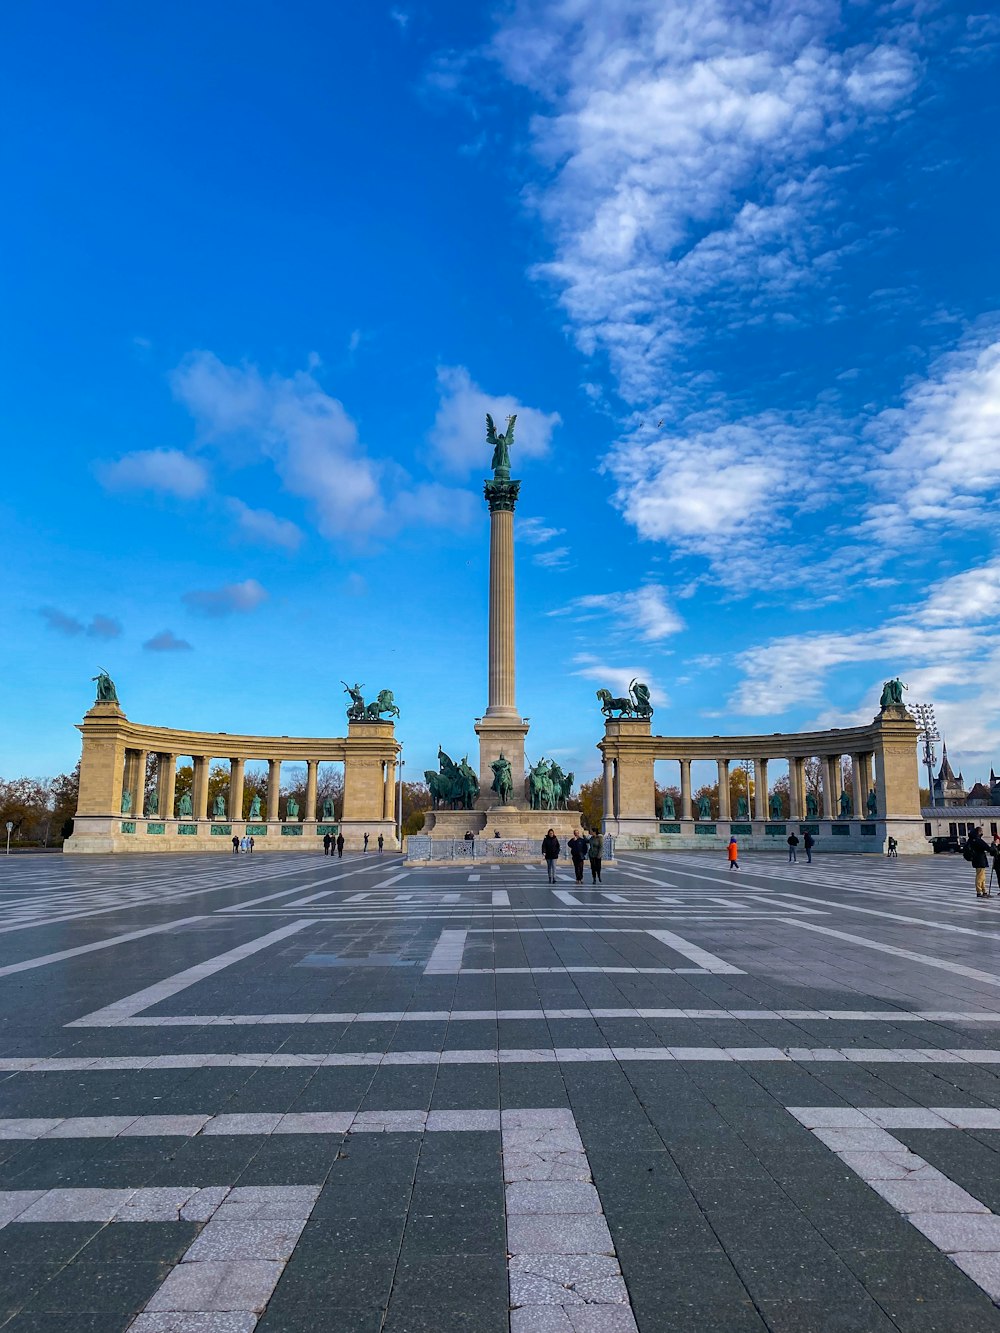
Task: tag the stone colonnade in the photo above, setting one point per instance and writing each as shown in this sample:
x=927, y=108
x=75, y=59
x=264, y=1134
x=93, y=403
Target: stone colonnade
x=883, y=760
x=110, y=815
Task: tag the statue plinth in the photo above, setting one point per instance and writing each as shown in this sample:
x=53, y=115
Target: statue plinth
x=501, y=733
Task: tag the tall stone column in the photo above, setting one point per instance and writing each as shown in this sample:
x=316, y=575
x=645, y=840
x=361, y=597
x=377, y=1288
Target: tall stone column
x=859, y=785
x=389, y=790
x=312, y=768
x=723, y=765
x=138, y=786
x=760, y=809
x=167, y=778
x=273, y=788
x=501, y=730
x=832, y=786
x=617, y=789
x=236, y=788
x=609, y=787
x=685, y=788
x=795, y=806
x=199, y=796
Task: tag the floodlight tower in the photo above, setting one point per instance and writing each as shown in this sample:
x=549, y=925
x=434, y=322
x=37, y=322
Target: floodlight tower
x=927, y=731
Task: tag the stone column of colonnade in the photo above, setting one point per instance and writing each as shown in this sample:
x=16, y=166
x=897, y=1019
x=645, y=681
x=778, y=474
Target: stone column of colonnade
x=796, y=789
x=831, y=786
x=760, y=793
x=609, y=787
x=685, y=811
x=273, y=789
x=312, y=768
x=723, y=766
x=137, y=783
x=389, y=791
x=199, y=795
x=236, y=781
x=166, y=783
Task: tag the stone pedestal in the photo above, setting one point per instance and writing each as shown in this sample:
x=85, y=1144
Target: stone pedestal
x=504, y=734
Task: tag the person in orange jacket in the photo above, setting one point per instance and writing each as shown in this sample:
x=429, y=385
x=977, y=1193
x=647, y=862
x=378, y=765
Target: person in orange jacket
x=734, y=853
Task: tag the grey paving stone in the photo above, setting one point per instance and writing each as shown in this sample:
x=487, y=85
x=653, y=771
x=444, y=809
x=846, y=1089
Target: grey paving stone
x=189, y=1321
x=228, y=1285
x=535, y=1234
x=557, y=1196
x=245, y=1240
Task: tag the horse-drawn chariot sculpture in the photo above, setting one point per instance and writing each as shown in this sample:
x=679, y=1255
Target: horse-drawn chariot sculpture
x=635, y=704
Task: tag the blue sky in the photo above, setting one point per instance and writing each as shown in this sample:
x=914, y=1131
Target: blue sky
x=266, y=267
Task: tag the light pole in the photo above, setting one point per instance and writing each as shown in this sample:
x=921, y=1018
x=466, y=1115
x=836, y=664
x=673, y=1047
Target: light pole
x=10, y=826
x=927, y=730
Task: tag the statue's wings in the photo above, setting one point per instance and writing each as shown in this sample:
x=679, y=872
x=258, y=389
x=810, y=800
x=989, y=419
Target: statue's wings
x=509, y=432
x=491, y=430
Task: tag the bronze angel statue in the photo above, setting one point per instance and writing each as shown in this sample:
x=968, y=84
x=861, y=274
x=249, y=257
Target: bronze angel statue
x=501, y=444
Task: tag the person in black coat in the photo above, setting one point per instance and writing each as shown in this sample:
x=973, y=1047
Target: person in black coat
x=595, y=851
x=978, y=853
x=578, y=851
x=327, y=844
x=340, y=846
x=550, y=850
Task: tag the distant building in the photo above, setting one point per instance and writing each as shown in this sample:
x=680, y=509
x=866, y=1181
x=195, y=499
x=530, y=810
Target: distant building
x=980, y=795
x=949, y=789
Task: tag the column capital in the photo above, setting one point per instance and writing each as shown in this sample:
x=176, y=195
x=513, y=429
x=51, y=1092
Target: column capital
x=501, y=495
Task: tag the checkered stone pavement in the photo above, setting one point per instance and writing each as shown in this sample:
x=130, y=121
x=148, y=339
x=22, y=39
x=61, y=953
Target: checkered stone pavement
x=302, y=1095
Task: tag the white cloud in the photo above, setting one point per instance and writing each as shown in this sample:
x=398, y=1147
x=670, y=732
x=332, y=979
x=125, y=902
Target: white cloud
x=557, y=557
x=292, y=421
x=100, y=627
x=644, y=611
x=60, y=621
x=104, y=627
x=946, y=642
x=617, y=679
x=224, y=601
x=681, y=138
x=165, y=470
x=535, y=532
x=429, y=502
x=459, y=431
x=166, y=642
x=938, y=456
x=264, y=528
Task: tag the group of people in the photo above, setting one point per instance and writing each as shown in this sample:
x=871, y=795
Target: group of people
x=331, y=845
x=980, y=852
x=808, y=842
x=242, y=845
x=581, y=848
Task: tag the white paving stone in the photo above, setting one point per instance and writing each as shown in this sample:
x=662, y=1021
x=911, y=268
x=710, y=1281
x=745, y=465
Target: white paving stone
x=237, y=1285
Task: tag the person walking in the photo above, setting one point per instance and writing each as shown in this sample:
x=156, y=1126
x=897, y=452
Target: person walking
x=733, y=852
x=250, y=845
x=244, y=845
x=595, y=850
x=978, y=853
x=381, y=844
x=550, y=850
x=236, y=845
x=327, y=844
x=793, y=842
x=891, y=849
x=809, y=843
x=578, y=852
x=366, y=843
x=340, y=846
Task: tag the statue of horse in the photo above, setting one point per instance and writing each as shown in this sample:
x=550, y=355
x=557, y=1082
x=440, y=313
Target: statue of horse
x=383, y=704
x=541, y=788
x=611, y=705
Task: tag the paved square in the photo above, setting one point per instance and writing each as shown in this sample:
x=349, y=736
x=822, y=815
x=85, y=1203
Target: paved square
x=306, y=1096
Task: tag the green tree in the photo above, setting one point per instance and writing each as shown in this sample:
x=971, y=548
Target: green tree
x=591, y=802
